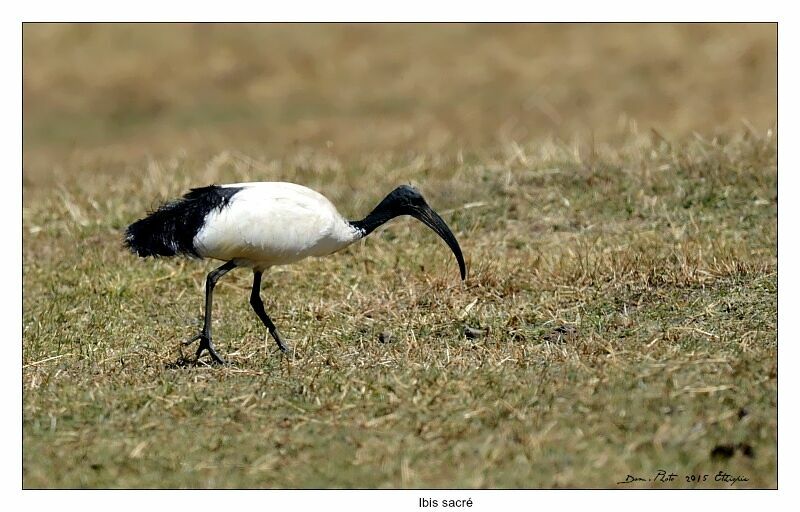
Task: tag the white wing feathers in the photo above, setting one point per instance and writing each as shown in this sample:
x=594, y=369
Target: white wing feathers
x=267, y=224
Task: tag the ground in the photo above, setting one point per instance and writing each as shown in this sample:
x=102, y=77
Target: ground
x=613, y=188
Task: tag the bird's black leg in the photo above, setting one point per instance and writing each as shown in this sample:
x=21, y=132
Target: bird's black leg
x=258, y=307
x=205, y=334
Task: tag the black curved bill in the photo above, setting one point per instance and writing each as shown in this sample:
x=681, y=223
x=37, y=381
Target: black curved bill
x=430, y=218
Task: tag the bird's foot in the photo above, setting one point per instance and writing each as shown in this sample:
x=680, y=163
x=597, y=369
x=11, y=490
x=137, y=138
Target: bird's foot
x=286, y=349
x=205, y=344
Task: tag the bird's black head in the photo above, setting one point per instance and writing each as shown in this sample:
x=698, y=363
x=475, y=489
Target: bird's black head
x=406, y=200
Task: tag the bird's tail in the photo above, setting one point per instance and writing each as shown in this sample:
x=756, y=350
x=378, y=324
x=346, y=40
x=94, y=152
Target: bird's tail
x=170, y=230
x=158, y=234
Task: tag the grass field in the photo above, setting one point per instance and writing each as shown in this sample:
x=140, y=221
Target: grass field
x=613, y=188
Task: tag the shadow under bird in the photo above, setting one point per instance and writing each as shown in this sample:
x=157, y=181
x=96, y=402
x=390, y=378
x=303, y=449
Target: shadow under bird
x=262, y=224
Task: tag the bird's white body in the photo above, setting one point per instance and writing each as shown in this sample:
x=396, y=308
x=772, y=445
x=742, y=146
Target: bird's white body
x=273, y=223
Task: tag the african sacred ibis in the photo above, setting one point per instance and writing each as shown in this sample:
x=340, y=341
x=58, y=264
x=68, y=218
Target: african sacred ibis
x=259, y=225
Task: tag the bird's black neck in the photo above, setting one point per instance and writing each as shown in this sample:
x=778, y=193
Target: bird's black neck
x=376, y=218
x=393, y=205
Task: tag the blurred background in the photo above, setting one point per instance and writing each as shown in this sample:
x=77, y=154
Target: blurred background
x=116, y=92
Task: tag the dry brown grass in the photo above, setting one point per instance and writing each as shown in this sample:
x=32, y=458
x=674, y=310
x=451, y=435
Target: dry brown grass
x=617, y=214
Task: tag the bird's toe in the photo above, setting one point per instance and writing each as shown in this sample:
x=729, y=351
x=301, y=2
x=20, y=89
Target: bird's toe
x=192, y=340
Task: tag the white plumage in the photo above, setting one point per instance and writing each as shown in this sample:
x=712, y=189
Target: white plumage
x=272, y=223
